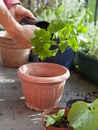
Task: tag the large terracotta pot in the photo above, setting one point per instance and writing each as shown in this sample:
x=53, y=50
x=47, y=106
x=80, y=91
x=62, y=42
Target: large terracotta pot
x=43, y=84
x=14, y=57
x=54, y=111
x=11, y=54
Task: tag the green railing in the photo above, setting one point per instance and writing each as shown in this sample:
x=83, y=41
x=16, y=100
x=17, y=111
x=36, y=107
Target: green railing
x=96, y=12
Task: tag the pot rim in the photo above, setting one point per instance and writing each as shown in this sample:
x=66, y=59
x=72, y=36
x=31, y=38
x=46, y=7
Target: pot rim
x=52, y=79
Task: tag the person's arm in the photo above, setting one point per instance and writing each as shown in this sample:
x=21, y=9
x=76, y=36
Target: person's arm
x=20, y=34
x=7, y=19
x=17, y=10
x=9, y=3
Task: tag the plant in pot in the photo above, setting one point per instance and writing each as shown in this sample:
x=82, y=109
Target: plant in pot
x=61, y=35
x=81, y=116
x=87, y=56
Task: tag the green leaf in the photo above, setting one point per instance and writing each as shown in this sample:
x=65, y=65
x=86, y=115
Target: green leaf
x=73, y=43
x=61, y=112
x=55, y=26
x=50, y=121
x=42, y=43
x=42, y=34
x=83, y=116
x=54, y=116
x=63, y=45
x=82, y=29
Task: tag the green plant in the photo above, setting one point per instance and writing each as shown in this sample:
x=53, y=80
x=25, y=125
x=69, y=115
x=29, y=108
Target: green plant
x=67, y=32
x=90, y=44
x=65, y=26
x=44, y=39
x=81, y=116
x=58, y=117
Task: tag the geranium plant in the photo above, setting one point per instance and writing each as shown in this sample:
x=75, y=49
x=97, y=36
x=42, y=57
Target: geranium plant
x=63, y=30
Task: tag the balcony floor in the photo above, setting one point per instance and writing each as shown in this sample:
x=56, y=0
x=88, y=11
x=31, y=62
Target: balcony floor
x=15, y=115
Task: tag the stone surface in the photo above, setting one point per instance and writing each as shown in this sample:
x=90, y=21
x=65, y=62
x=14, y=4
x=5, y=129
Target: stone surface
x=15, y=115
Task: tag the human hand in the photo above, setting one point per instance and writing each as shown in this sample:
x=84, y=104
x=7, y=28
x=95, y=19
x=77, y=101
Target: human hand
x=19, y=12
x=23, y=35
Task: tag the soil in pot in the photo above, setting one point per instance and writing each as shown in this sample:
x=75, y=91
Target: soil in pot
x=61, y=124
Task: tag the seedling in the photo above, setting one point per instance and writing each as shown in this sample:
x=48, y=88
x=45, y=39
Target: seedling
x=81, y=116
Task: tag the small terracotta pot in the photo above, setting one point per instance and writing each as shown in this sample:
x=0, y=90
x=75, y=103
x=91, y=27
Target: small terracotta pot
x=54, y=111
x=43, y=84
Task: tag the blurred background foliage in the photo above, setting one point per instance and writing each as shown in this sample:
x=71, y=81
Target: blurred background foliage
x=36, y=6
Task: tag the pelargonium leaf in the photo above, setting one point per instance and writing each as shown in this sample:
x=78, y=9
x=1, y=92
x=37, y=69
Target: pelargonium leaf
x=63, y=45
x=55, y=26
x=73, y=43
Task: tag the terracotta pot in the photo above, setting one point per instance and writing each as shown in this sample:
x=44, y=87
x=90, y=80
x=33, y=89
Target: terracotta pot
x=43, y=84
x=14, y=57
x=54, y=111
x=11, y=54
x=7, y=43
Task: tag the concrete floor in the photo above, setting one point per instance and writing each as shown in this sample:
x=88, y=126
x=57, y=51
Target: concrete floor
x=15, y=115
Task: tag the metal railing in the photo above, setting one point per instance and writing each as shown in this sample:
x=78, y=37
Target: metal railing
x=96, y=12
